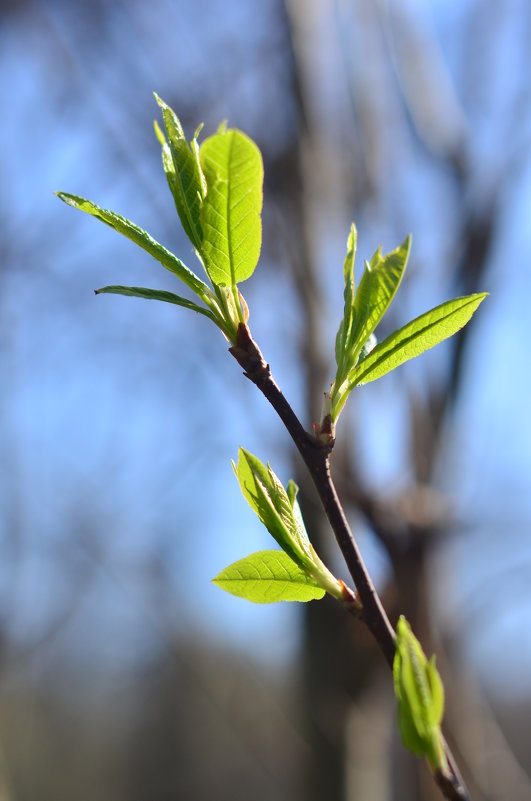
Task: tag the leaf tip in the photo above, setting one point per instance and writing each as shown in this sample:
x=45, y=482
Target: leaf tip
x=70, y=200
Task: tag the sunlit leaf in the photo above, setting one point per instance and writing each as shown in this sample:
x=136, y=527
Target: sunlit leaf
x=183, y=174
x=416, y=337
x=363, y=310
x=154, y=294
x=268, y=499
x=139, y=237
x=345, y=327
x=376, y=290
x=420, y=696
x=266, y=577
x=279, y=511
x=230, y=213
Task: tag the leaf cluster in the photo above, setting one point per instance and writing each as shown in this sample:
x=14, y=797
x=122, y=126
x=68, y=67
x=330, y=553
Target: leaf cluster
x=294, y=574
x=217, y=191
x=360, y=359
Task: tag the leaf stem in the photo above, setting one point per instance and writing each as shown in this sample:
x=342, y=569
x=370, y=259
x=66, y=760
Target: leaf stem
x=316, y=456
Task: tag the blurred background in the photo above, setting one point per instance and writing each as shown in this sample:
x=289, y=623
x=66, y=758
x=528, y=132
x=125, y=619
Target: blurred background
x=124, y=674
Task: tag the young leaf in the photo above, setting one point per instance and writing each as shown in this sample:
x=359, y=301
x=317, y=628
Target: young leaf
x=183, y=174
x=154, y=294
x=141, y=238
x=416, y=337
x=230, y=213
x=279, y=511
x=363, y=312
x=345, y=326
x=267, y=497
x=420, y=695
x=266, y=577
x=377, y=288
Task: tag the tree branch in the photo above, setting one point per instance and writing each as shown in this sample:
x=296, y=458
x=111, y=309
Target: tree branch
x=316, y=452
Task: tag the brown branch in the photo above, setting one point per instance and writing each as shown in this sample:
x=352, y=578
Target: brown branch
x=316, y=456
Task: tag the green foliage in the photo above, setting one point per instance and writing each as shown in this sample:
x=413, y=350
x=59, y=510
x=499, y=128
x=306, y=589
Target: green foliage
x=266, y=577
x=420, y=694
x=140, y=238
x=154, y=294
x=416, y=337
x=217, y=190
x=183, y=173
x=363, y=310
x=230, y=214
x=359, y=359
x=280, y=513
x=343, y=336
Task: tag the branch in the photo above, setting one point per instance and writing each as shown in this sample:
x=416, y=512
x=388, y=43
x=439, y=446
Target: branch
x=316, y=451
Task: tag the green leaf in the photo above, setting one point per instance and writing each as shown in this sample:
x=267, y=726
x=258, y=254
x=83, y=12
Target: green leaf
x=154, y=294
x=378, y=286
x=363, y=311
x=267, y=497
x=230, y=213
x=279, y=511
x=416, y=337
x=345, y=327
x=436, y=709
x=183, y=174
x=420, y=695
x=266, y=577
x=141, y=238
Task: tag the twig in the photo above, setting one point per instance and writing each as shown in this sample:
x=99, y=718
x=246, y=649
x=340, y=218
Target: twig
x=316, y=455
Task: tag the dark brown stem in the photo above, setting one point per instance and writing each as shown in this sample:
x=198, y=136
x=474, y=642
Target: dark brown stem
x=316, y=455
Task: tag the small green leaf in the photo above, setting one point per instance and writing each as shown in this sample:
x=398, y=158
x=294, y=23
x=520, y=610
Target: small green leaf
x=420, y=696
x=378, y=286
x=154, y=294
x=345, y=327
x=267, y=497
x=184, y=175
x=266, y=577
x=141, y=238
x=230, y=213
x=416, y=337
x=279, y=511
x=363, y=311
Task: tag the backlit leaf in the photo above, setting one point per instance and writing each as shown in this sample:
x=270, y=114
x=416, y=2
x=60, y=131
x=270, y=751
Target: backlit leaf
x=266, y=577
x=343, y=333
x=420, y=696
x=230, y=213
x=416, y=337
x=279, y=511
x=139, y=237
x=183, y=174
x=154, y=294
x=377, y=288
